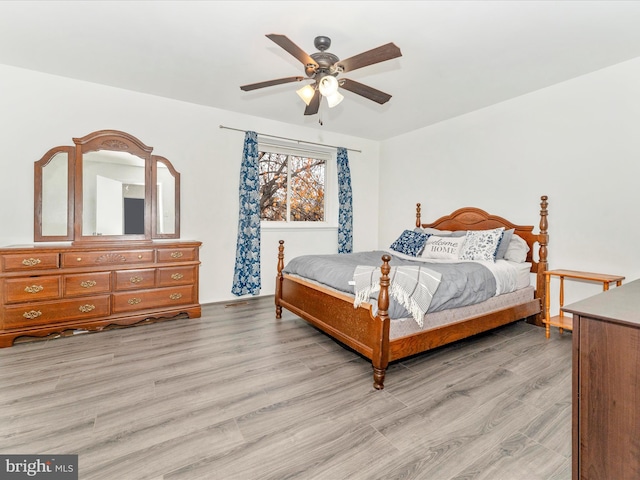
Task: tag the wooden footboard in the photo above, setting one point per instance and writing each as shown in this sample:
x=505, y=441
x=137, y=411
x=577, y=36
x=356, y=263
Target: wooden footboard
x=334, y=314
x=368, y=334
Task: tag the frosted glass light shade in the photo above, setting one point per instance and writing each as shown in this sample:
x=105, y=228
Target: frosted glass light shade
x=334, y=99
x=306, y=93
x=328, y=85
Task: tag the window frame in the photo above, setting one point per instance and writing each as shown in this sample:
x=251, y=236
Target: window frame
x=330, y=185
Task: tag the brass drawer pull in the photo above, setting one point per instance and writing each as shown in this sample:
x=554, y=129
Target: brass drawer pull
x=30, y=262
x=135, y=279
x=177, y=276
x=32, y=314
x=86, y=308
x=33, y=288
x=175, y=296
x=88, y=284
x=134, y=301
x=176, y=254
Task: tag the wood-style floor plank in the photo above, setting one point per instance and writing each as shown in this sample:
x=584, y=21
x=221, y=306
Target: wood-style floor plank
x=237, y=394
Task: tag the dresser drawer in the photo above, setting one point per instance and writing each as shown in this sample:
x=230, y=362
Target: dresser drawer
x=31, y=289
x=27, y=262
x=135, y=279
x=87, y=284
x=106, y=257
x=153, y=299
x=45, y=313
x=176, y=276
x=177, y=254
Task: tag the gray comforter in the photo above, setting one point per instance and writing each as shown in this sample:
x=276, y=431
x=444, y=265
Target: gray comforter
x=462, y=284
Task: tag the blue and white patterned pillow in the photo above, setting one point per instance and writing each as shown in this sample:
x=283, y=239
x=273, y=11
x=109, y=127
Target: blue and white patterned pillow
x=410, y=243
x=481, y=244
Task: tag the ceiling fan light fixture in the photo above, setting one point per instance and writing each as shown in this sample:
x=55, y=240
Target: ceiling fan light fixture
x=328, y=85
x=306, y=93
x=322, y=67
x=334, y=99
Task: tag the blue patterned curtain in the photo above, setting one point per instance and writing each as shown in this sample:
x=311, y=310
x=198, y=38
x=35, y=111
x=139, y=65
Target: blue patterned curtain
x=246, y=276
x=345, y=212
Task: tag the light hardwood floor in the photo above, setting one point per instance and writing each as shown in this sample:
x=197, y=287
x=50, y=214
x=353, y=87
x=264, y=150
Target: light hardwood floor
x=237, y=394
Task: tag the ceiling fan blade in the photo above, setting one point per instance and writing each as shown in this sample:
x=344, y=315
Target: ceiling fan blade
x=376, y=55
x=365, y=91
x=270, y=83
x=293, y=49
x=314, y=105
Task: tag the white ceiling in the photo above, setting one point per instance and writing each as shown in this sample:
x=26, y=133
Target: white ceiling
x=458, y=56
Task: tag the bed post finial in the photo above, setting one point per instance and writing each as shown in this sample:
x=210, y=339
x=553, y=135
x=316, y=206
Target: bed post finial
x=383, y=298
x=380, y=358
x=543, y=264
x=279, y=278
x=544, y=225
x=280, y=256
x=418, y=220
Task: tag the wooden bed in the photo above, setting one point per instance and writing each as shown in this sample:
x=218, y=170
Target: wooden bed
x=358, y=328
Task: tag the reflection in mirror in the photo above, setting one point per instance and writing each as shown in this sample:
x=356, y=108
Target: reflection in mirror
x=166, y=197
x=113, y=186
x=55, y=187
x=133, y=196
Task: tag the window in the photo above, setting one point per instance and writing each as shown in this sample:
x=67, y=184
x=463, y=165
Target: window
x=292, y=185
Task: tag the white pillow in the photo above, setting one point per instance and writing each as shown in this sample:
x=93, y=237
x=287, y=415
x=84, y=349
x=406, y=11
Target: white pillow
x=517, y=251
x=481, y=244
x=443, y=247
x=442, y=233
x=435, y=231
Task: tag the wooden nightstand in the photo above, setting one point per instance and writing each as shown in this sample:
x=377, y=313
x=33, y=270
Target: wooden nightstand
x=560, y=321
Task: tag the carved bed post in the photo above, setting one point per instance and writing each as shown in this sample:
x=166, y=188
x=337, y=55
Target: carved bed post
x=418, y=220
x=543, y=264
x=380, y=355
x=279, y=278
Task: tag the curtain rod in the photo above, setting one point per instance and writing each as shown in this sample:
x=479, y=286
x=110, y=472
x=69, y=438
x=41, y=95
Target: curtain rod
x=291, y=139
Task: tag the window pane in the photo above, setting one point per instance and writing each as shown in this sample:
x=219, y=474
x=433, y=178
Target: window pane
x=273, y=186
x=307, y=189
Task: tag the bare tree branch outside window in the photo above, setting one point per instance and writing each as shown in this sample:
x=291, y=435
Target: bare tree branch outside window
x=291, y=182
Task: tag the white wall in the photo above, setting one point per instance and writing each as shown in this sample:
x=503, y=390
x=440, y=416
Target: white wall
x=577, y=142
x=40, y=111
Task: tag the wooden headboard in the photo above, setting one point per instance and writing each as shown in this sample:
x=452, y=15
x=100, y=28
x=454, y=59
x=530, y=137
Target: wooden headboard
x=471, y=218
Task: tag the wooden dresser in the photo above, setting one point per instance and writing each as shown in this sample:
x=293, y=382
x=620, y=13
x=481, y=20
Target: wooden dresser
x=606, y=385
x=51, y=288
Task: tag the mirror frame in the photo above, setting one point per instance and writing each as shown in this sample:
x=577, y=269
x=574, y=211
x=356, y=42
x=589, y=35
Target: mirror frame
x=111, y=140
x=155, y=159
x=38, y=189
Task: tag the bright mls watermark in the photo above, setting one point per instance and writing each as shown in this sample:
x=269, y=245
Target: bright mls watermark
x=49, y=467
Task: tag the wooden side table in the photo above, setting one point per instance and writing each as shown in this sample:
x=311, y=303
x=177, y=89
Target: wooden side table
x=560, y=321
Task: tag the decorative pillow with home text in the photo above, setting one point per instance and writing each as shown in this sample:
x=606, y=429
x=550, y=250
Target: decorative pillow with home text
x=447, y=248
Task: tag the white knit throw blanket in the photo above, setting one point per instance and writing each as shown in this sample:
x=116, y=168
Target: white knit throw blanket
x=412, y=287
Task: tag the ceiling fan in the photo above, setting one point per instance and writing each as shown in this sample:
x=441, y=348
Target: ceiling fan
x=324, y=67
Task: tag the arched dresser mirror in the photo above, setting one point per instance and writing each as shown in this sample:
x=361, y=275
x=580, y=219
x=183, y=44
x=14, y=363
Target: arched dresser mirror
x=108, y=187
x=107, y=251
